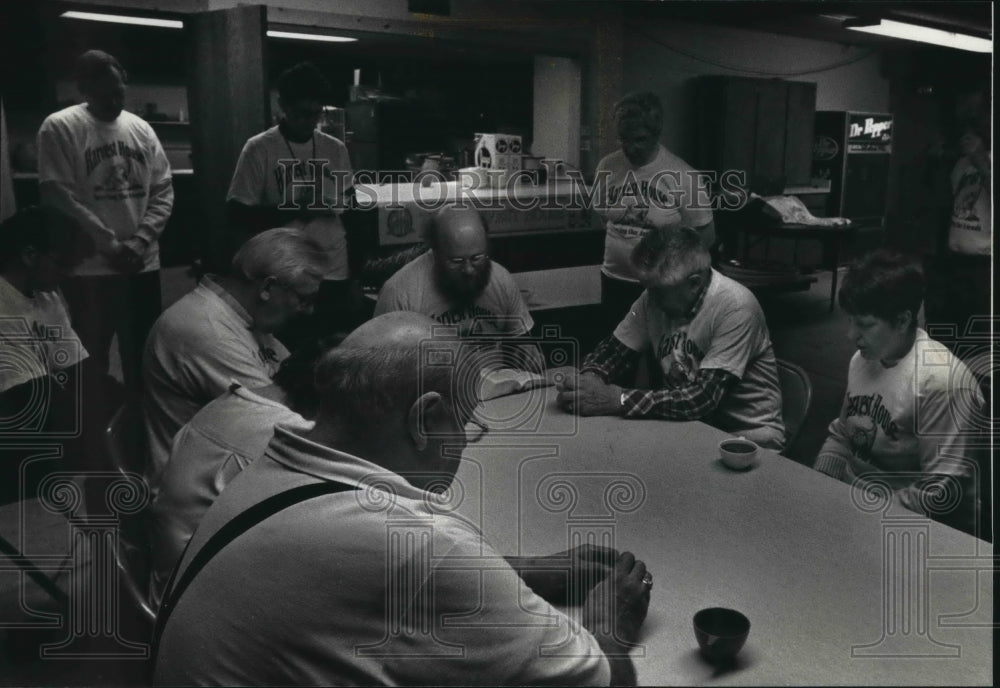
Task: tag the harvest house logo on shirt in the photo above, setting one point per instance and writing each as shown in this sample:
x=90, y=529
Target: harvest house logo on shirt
x=683, y=355
x=871, y=405
x=98, y=154
x=119, y=181
x=457, y=315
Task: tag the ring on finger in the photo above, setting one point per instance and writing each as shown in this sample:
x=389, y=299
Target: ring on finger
x=648, y=580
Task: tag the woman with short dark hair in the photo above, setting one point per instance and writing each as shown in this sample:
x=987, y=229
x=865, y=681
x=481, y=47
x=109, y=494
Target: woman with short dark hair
x=909, y=401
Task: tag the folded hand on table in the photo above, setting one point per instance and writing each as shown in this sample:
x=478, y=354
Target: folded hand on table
x=617, y=606
x=566, y=577
x=589, y=395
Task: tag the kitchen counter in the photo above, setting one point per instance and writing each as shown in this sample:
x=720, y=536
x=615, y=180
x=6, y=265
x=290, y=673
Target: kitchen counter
x=404, y=209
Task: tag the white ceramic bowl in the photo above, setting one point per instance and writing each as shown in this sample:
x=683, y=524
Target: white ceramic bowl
x=738, y=453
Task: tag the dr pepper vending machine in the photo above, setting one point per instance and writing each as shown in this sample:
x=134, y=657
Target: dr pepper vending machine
x=852, y=150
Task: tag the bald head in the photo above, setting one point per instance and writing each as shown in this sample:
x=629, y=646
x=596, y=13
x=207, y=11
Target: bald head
x=457, y=225
x=398, y=329
x=387, y=383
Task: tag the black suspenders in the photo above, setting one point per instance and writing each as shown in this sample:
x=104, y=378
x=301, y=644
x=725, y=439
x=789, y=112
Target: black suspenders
x=226, y=534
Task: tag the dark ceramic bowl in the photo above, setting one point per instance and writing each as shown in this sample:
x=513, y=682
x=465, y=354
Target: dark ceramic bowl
x=721, y=633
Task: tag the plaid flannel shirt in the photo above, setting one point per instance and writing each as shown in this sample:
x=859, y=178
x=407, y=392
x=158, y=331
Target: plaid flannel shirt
x=613, y=361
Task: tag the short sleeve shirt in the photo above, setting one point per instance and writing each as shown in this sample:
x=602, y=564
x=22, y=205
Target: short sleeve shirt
x=35, y=336
x=728, y=332
x=665, y=191
x=196, y=349
x=266, y=174
x=378, y=586
x=414, y=288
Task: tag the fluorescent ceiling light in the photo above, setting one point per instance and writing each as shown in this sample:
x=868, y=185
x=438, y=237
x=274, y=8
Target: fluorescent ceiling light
x=311, y=37
x=925, y=34
x=124, y=19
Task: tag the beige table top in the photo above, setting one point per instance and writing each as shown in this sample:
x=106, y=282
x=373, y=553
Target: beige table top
x=838, y=591
x=560, y=287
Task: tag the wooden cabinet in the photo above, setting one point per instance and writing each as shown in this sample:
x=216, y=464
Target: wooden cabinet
x=763, y=127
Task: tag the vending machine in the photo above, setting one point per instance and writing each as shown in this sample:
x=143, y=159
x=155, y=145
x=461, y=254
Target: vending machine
x=852, y=151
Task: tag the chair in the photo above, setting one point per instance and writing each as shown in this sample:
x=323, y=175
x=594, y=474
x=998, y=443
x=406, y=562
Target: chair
x=796, y=398
x=125, y=439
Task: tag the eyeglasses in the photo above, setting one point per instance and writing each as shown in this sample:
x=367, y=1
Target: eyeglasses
x=304, y=301
x=475, y=260
x=475, y=429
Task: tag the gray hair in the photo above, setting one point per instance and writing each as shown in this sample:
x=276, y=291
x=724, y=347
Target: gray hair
x=643, y=108
x=367, y=386
x=284, y=253
x=672, y=253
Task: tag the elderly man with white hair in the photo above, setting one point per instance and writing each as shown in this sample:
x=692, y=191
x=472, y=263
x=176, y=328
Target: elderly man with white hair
x=222, y=332
x=709, y=337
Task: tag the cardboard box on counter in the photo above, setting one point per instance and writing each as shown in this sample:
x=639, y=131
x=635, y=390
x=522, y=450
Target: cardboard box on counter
x=498, y=151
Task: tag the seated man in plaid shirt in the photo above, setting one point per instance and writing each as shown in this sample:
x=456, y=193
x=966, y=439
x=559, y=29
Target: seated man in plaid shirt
x=708, y=335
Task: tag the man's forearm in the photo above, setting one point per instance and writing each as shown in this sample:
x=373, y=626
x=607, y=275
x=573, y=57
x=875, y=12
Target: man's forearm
x=61, y=197
x=692, y=401
x=619, y=660
x=154, y=221
x=611, y=360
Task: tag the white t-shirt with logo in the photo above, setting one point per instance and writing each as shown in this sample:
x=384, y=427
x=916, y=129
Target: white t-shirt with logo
x=116, y=170
x=36, y=339
x=414, y=288
x=259, y=179
x=905, y=422
x=971, y=230
x=727, y=333
x=665, y=191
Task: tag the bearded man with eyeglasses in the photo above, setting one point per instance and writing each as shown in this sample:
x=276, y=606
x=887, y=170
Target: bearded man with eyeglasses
x=456, y=282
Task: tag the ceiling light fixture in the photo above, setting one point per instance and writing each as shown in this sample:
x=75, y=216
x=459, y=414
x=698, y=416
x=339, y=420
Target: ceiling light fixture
x=311, y=37
x=124, y=19
x=922, y=34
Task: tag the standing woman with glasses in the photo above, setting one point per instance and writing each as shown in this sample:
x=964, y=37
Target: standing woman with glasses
x=293, y=175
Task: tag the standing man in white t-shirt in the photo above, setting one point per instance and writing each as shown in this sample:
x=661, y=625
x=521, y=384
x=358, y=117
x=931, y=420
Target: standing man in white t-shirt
x=647, y=187
x=106, y=168
x=293, y=175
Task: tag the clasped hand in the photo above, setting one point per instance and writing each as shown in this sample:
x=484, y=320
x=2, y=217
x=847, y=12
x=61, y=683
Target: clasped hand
x=127, y=256
x=567, y=577
x=588, y=395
